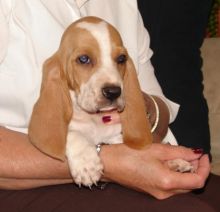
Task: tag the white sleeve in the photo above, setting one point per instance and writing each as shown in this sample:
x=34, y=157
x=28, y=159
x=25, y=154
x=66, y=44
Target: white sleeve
x=146, y=76
x=4, y=34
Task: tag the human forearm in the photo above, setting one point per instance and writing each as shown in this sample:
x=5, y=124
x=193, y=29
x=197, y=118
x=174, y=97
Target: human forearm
x=26, y=167
x=19, y=159
x=21, y=184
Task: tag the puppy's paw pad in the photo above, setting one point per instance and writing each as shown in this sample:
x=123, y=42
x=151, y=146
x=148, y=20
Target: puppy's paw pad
x=180, y=165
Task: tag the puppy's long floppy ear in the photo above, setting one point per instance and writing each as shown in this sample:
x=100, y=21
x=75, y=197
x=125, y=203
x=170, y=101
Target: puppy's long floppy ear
x=135, y=126
x=52, y=112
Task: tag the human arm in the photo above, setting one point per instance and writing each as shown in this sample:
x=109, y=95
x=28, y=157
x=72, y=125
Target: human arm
x=146, y=170
x=149, y=85
x=163, y=116
x=22, y=166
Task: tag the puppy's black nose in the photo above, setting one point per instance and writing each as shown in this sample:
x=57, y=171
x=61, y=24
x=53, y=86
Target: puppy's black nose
x=111, y=92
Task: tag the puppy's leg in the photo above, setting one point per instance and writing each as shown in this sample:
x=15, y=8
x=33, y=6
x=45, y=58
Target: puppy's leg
x=84, y=162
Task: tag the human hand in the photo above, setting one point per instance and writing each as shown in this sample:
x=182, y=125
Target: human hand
x=146, y=170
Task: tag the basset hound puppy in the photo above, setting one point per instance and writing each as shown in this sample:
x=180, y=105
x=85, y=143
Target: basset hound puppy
x=90, y=73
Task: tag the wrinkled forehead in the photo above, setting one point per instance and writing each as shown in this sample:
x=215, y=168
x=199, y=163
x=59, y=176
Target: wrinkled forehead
x=102, y=32
x=91, y=35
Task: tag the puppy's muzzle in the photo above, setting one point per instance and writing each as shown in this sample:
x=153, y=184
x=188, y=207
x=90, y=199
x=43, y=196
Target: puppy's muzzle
x=111, y=92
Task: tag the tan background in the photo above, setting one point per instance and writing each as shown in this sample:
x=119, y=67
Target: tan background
x=211, y=70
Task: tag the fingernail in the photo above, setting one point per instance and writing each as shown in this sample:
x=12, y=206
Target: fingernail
x=106, y=119
x=198, y=150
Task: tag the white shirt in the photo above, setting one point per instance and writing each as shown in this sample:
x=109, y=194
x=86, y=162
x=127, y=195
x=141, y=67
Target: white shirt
x=30, y=32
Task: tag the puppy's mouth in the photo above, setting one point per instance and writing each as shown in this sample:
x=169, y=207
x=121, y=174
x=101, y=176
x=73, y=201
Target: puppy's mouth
x=110, y=109
x=106, y=109
x=104, y=106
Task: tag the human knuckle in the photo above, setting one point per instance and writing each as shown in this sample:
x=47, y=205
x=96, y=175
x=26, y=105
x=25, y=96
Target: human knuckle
x=165, y=183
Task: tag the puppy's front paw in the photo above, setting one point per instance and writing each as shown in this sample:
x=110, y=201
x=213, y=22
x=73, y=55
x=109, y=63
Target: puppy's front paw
x=180, y=165
x=85, y=166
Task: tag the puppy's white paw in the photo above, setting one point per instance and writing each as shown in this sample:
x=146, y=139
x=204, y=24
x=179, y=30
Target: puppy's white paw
x=180, y=165
x=85, y=166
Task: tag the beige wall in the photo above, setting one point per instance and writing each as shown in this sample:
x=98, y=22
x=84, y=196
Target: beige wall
x=211, y=70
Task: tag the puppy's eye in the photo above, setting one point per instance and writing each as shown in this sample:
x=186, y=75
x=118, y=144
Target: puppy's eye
x=84, y=59
x=121, y=59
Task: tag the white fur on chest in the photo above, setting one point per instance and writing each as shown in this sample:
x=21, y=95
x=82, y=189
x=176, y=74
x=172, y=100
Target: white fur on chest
x=86, y=128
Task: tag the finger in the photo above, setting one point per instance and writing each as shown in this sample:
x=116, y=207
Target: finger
x=204, y=167
x=190, y=181
x=173, y=152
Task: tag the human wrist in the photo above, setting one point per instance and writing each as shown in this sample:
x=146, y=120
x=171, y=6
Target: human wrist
x=104, y=152
x=150, y=109
x=157, y=114
x=159, y=120
x=110, y=158
x=162, y=126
